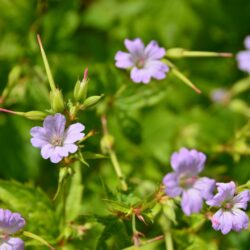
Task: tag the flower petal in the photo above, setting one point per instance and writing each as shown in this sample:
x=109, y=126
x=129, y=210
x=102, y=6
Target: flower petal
x=39, y=137
x=153, y=51
x=47, y=150
x=191, y=201
x=140, y=75
x=12, y=244
x=135, y=47
x=240, y=220
x=73, y=133
x=241, y=200
x=206, y=187
x=188, y=161
x=157, y=69
x=55, y=124
x=225, y=192
x=123, y=60
x=172, y=185
x=10, y=222
x=222, y=220
x=247, y=42
x=55, y=156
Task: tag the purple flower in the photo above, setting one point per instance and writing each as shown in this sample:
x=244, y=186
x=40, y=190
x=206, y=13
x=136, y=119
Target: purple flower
x=243, y=57
x=144, y=61
x=54, y=140
x=187, y=164
x=10, y=223
x=229, y=216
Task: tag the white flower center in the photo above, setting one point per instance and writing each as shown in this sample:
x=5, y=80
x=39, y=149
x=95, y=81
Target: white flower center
x=56, y=140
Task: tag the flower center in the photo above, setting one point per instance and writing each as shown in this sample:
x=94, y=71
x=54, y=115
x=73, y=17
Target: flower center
x=187, y=181
x=228, y=205
x=57, y=140
x=140, y=62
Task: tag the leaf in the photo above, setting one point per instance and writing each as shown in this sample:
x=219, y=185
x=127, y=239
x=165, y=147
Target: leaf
x=34, y=205
x=169, y=210
x=130, y=127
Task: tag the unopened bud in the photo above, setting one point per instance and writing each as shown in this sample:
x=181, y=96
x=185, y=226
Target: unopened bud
x=35, y=115
x=56, y=101
x=81, y=88
x=91, y=101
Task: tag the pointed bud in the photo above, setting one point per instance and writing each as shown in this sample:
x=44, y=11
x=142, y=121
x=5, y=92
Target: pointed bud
x=35, y=115
x=32, y=115
x=81, y=88
x=91, y=101
x=56, y=101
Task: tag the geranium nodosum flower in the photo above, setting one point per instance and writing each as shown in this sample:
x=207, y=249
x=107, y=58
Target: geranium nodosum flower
x=10, y=223
x=54, y=139
x=229, y=216
x=243, y=57
x=187, y=164
x=143, y=61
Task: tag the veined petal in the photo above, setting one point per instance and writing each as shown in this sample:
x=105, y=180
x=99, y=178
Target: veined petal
x=226, y=222
x=188, y=161
x=191, y=201
x=123, y=60
x=73, y=133
x=55, y=124
x=157, y=69
x=240, y=220
x=241, y=200
x=172, y=185
x=55, y=156
x=135, y=47
x=10, y=222
x=153, y=51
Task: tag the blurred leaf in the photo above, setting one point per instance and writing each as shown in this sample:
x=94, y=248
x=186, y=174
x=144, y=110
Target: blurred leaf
x=74, y=197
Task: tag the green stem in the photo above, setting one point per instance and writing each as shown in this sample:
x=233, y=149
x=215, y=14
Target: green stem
x=168, y=241
x=134, y=224
x=38, y=238
x=118, y=170
x=112, y=154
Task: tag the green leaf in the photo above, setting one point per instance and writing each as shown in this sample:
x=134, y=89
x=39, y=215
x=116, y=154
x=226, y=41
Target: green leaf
x=34, y=205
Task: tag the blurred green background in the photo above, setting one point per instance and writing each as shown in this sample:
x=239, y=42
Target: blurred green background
x=148, y=122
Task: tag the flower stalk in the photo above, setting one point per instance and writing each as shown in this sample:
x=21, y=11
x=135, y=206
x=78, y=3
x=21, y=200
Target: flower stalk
x=107, y=147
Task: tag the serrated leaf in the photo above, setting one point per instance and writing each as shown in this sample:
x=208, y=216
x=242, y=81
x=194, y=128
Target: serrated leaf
x=118, y=206
x=34, y=205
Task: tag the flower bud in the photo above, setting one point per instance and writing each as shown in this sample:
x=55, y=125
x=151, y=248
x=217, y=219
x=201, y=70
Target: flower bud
x=91, y=101
x=56, y=101
x=35, y=115
x=81, y=88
